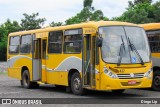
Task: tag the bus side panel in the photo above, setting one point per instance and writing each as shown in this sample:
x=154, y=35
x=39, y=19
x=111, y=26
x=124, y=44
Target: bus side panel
x=156, y=59
x=53, y=77
x=14, y=72
x=58, y=78
x=64, y=78
x=16, y=63
x=157, y=55
x=60, y=62
x=97, y=78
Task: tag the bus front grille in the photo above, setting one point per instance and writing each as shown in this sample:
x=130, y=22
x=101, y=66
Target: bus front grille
x=130, y=76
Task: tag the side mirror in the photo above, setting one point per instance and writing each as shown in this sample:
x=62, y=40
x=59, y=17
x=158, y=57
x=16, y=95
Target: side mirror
x=99, y=41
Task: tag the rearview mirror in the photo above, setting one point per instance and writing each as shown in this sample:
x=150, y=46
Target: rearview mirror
x=99, y=41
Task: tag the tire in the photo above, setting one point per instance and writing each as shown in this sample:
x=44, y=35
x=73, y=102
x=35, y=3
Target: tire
x=120, y=91
x=156, y=80
x=21, y=82
x=76, y=84
x=26, y=83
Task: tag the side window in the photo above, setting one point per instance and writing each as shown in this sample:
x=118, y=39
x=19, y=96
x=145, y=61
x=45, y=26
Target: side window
x=55, y=42
x=154, y=40
x=26, y=41
x=72, y=43
x=14, y=44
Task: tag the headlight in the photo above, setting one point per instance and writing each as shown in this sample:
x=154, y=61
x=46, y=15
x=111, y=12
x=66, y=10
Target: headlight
x=147, y=74
x=109, y=73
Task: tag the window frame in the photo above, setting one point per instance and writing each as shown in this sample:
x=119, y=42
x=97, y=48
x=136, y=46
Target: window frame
x=30, y=44
x=17, y=45
x=81, y=41
x=148, y=32
x=55, y=42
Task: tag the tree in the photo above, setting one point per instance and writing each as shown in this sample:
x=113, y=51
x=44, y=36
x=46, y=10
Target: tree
x=83, y=16
x=5, y=29
x=8, y=27
x=87, y=3
x=3, y=37
x=141, y=11
x=98, y=15
x=32, y=22
x=135, y=2
x=88, y=13
x=157, y=11
x=53, y=24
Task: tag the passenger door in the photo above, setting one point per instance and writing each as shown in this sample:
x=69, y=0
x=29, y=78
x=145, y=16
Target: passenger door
x=44, y=57
x=88, y=61
x=36, y=59
x=39, y=55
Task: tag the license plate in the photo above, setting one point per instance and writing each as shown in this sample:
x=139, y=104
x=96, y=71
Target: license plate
x=131, y=82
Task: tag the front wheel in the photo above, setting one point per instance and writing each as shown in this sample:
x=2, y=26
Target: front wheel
x=156, y=81
x=120, y=91
x=76, y=84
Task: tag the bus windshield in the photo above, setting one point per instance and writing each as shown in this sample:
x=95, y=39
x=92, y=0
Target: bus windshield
x=129, y=43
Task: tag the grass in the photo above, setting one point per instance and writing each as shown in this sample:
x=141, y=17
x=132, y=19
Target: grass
x=3, y=73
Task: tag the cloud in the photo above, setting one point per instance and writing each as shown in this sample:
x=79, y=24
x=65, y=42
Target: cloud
x=111, y=8
x=52, y=10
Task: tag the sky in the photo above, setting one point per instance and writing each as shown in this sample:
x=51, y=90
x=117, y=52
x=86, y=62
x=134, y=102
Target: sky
x=57, y=10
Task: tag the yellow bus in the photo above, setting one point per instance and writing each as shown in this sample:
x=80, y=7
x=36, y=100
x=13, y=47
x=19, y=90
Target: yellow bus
x=103, y=55
x=153, y=33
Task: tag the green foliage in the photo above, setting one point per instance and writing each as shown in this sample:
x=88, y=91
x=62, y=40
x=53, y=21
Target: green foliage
x=3, y=37
x=5, y=29
x=156, y=11
x=80, y=17
x=87, y=3
x=135, y=2
x=28, y=23
x=88, y=13
x=11, y=26
x=3, y=73
x=53, y=24
x=141, y=11
x=98, y=15
x=32, y=22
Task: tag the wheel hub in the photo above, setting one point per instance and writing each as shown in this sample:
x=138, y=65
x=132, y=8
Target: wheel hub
x=157, y=80
x=77, y=83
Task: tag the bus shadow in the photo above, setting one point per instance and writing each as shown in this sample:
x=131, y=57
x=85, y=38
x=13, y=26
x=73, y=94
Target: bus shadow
x=91, y=93
x=109, y=94
x=148, y=89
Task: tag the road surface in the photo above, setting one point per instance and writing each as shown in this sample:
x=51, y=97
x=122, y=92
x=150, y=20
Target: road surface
x=10, y=88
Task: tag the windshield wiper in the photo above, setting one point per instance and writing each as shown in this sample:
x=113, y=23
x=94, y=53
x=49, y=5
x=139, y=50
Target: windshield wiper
x=121, y=52
x=133, y=48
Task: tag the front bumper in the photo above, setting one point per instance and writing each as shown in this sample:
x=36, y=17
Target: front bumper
x=108, y=83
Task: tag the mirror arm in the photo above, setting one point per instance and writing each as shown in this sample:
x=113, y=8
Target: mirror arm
x=99, y=41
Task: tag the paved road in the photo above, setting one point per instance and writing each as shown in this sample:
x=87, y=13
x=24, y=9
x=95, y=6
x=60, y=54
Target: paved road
x=10, y=88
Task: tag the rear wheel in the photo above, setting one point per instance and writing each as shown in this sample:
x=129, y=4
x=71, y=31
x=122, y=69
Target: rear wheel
x=21, y=82
x=156, y=80
x=26, y=83
x=120, y=91
x=76, y=84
